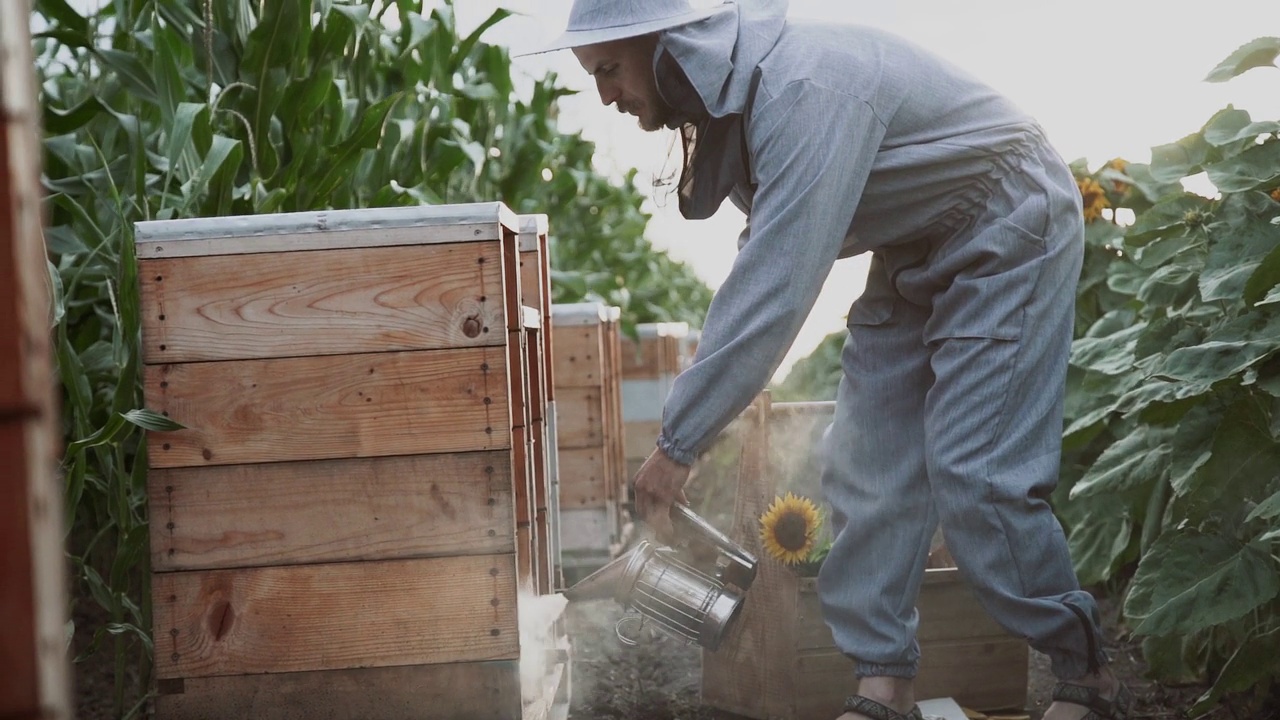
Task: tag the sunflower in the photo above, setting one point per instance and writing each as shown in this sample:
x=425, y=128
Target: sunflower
x=789, y=529
x=1275, y=194
x=1095, y=198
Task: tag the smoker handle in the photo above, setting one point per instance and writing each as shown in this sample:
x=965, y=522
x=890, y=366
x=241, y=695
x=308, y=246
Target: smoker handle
x=617, y=628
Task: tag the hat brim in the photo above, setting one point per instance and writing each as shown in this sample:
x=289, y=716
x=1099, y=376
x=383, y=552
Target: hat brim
x=581, y=38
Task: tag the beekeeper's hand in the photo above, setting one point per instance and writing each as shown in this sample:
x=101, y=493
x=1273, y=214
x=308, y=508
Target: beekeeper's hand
x=659, y=483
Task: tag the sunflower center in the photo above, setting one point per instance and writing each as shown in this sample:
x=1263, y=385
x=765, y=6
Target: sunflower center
x=791, y=531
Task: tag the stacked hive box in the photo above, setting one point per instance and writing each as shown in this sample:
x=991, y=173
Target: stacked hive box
x=334, y=532
x=648, y=369
x=590, y=434
x=535, y=284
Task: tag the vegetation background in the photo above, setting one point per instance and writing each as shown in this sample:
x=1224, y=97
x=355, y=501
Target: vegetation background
x=157, y=109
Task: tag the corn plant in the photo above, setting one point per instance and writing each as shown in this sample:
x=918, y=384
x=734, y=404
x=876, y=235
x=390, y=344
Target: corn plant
x=158, y=109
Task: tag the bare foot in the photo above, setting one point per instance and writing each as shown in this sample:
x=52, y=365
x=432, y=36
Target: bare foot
x=898, y=694
x=1105, y=682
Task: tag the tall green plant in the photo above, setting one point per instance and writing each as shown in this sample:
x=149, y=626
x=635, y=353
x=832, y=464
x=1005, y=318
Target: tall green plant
x=1172, y=452
x=158, y=109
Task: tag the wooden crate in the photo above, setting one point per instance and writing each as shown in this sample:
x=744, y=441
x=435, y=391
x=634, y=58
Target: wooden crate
x=780, y=662
x=590, y=435
x=649, y=367
x=346, y=527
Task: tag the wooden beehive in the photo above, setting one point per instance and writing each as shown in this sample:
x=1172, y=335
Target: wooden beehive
x=336, y=533
x=649, y=367
x=590, y=435
x=535, y=283
x=780, y=661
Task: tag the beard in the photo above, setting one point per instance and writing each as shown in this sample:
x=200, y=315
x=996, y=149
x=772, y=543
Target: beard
x=656, y=115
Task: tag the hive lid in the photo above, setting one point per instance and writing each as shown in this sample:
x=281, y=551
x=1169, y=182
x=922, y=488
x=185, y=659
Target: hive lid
x=241, y=234
x=584, y=313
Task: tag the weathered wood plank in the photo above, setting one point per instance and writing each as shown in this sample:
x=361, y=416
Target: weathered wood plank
x=450, y=691
x=580, y=417
x=584, y=481
x=331, y=510
x=35, y=676
x=579, y=358
x=400, y=403
x=322, y=302
x=335, y=616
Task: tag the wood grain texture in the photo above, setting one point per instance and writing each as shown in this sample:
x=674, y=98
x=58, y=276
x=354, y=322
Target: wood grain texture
x=579, y=356
x=321, y=302
x=579, y=418
x=400, y=403
x=35, y=675
x=331, y=510
x=450, y=691
x=335, y=616
x=584, y=480
x=248, y=235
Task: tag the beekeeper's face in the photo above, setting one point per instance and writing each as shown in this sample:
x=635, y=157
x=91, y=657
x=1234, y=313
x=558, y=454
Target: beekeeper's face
x=623, y=71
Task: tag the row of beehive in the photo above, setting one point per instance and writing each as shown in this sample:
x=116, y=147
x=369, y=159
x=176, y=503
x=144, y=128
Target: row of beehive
x=358, y=503
x=377, y=406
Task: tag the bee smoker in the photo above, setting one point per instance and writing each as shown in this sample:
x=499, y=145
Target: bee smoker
x=693, y=589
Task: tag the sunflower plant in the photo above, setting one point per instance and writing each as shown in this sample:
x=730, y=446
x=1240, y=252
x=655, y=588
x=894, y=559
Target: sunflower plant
x=790, y=532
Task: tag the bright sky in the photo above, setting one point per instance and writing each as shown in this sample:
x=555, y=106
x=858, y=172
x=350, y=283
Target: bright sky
x=1105, y=79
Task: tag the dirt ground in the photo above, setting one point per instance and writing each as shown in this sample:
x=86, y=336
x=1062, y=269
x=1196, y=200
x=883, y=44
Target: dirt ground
x=660, y=679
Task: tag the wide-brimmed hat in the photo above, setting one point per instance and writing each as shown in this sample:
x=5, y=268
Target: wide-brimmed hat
x=598, y=21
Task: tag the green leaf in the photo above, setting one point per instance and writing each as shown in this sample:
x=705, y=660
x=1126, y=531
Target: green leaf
x=1230, y=349
x=1135, y=460
x=1172, y=162
x=1232, y=126
x=1256, y=166
x=1170, y=213
x=1261, y=52
x=347, y=153
x=1190, y=582
x=1193, y=446
x=67, y=17
x=1098, y=540
x=133, y=75
x=1266, y=509
x=151, y=420
x=1235, y=252
x=58, y=122
x=1265, y=277
x=1245, y=459
x=1254, y=661
x=1111, y=354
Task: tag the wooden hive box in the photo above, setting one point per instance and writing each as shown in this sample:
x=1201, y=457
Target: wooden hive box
x=334, y=532
x=535, y=283
x=590, y=435
x=780, y=662
x=649, y=367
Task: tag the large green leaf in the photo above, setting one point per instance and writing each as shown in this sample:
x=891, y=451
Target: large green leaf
x=1172, y=162
x=1261, y=52
x=1232, y=126
x=1227, y=351
x=1235, y=252
x=1189, y=582
x=1244, y=461
x=343, y=157
x=1257, y=166
x=1098, y=540
x=1172, y=212
x=1135, y=460
x=1265, y=277
x=1193, y=446
x=1252, y=663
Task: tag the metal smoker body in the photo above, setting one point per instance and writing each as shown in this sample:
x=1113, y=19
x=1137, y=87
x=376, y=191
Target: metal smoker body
x=693, y=590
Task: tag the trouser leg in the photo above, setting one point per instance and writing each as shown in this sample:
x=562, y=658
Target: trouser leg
x=876, y=484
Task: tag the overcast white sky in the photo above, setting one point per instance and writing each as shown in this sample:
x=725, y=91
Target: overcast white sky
x=1105, y=78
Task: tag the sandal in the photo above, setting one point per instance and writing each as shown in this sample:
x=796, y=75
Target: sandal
x=878, y=711
x=1099, y=707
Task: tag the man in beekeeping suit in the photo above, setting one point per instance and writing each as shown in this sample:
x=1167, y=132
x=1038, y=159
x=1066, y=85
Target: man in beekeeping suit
x=835, y=141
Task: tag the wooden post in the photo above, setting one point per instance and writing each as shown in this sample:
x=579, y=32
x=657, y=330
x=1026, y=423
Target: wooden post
x=34, y=673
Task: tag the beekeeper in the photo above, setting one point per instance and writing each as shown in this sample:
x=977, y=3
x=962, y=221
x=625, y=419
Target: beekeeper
x=838, y=140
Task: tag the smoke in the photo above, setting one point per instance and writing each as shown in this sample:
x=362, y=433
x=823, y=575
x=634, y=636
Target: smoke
x=540, y=633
